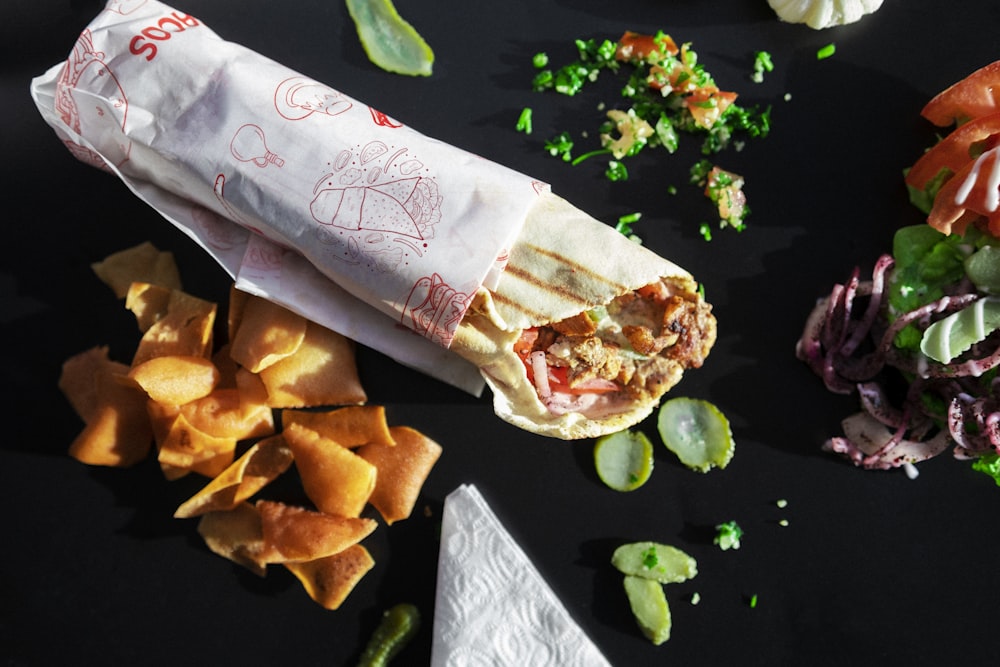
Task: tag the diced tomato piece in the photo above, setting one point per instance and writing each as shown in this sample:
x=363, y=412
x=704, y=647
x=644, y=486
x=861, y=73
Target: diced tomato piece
x=634, y=46
x=976, y=95
x=953, y=152
x=973, y=192
x=707, y=105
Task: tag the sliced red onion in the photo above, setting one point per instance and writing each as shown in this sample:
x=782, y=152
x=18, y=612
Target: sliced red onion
x=540, y=371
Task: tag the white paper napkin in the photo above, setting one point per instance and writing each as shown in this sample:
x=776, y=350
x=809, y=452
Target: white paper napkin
x=493, y=607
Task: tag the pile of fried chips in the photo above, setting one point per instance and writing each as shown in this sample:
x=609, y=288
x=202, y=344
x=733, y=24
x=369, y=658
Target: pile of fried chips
x=279, y=392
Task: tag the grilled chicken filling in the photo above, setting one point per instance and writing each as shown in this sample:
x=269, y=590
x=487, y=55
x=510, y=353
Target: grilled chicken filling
x=635, y=347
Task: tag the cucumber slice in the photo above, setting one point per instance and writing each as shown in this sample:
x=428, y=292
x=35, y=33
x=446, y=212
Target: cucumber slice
x=659, y=562
x=697, y=432
x=388, y=40
x=624, y=460
x=650, y=608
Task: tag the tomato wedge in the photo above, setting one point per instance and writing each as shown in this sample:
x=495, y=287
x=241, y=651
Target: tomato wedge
x=963, y=144
x=972, y=192
x=976, y=95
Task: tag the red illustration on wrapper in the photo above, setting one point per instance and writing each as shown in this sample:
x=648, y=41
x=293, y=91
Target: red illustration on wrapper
x=379, y=206
x=298, y=97
x=249, y=145
x=104, y=115
x=383, y=120
x=434, y=309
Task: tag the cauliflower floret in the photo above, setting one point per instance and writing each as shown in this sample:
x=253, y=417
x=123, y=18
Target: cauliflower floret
x=819, y=14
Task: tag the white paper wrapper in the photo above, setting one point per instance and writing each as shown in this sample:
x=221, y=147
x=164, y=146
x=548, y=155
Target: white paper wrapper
x=492, y=606
x=304, y=195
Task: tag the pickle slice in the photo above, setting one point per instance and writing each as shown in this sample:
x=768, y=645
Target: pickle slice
x=388, y=40
x=624, y=460
x=697, y=432
x=649, y=606
x=659, y=562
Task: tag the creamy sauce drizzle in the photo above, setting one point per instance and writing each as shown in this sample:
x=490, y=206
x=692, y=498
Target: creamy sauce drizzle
x=989, y=160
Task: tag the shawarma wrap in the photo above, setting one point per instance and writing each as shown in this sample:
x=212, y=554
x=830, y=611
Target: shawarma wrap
x=416, y=248
x=586, y=329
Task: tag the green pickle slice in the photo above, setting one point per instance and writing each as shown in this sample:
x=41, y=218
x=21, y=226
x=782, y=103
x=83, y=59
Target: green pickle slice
x=388, y=40
x=659, y=562
x=697, y=432
x=624, y=460
x=650, y=608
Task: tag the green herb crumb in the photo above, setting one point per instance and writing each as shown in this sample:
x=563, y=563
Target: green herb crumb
x=728, y=535
x=826, y=51
x=988, y=464
x=705, y=230
x=524, y=121
x=761, y=63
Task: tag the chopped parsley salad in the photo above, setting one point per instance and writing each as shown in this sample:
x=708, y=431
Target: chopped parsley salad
x=667, y=93
x=919, y=342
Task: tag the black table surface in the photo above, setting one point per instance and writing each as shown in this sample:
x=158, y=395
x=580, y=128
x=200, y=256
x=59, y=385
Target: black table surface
x=871, y=568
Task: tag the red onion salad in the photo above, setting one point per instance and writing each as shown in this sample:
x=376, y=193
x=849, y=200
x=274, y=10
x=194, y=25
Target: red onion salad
x=912, y=407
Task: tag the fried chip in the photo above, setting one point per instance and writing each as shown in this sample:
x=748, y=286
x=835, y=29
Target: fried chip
x=402, y=471
x=117, y=432
x=238, y=300
x=148, y=302
x=255, y=469
x=176, y=379
x=329, y=581
x=185, y=449
x=265, y=333
x=226, y=365
x=235, y=535
x=225, y=413
x=161, y=419
x=335, y=479
x=184, y=329
x=298, y=534
x=76, y=381
x=323, y=371
x=350, y=426
x=251, y=387
x=140, y=263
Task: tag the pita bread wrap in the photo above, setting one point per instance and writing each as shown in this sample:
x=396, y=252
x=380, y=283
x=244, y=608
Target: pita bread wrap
x=358, y=216
x=567, y=269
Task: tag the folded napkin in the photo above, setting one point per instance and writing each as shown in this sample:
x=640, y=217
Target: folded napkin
x=493, y=607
